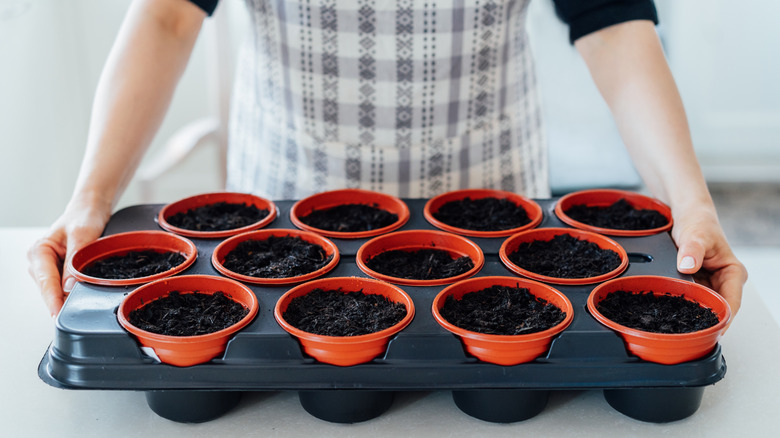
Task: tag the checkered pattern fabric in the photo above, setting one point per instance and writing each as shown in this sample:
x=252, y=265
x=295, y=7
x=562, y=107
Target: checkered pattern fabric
x=407, y=97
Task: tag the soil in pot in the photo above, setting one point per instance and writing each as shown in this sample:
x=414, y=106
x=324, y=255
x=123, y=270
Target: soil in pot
x=619, y=216
x=350, y=218
x=133, y=264
x=485, y=214
x=656, y=313
x=501, y=310
x=276, y=257
x=339, y=313
x=189, y=314
x=219, y=216
x=423, y=264
x=565, y=256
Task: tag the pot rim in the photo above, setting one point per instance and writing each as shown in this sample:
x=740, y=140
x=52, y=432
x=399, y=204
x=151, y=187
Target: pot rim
x=253, y=310
x=360, y=196
x=323, y=339
x=721, y=325
x=474, y=252
x=631, y=197
x=213, y=198
x=325, y=243
x=534, y=211
x=603, y=242
x=533, y=286
x=190, y=256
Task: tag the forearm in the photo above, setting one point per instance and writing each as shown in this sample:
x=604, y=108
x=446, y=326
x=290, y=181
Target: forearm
x=629, y=68
x=133, y=94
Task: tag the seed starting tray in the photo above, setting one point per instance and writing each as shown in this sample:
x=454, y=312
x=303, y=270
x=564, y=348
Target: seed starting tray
x=92, y=351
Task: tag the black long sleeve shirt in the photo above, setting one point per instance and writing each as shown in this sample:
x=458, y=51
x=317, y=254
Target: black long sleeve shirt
x=582, y=16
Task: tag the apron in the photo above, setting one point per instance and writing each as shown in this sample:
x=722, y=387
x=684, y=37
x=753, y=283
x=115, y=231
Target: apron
x=407, y=97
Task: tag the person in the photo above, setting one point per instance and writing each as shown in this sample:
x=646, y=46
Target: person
x=407, y=97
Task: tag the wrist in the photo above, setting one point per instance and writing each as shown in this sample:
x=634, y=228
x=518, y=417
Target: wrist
x=692, y=203
x=694, y=217
x=95, y=201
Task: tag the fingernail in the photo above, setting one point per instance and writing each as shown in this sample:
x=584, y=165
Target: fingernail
x=69, y=283
x=687, y=262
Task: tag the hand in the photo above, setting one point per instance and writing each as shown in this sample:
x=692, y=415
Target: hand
x=705, y=253
x=80, y=224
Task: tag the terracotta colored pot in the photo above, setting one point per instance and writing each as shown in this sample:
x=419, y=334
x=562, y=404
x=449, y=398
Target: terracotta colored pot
x=414, y=240
x=665, y=348
x=186, y=351
x=335, y=198
x=504, y=349
x=192, y=202
x=531, y=208
x=224, y=248
x=605, y=198
x=346, y=350
x=511, y=244
x=123, y=243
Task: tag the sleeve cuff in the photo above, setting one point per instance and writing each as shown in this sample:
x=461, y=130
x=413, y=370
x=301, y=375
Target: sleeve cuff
x=614, y=13
x=208, y=6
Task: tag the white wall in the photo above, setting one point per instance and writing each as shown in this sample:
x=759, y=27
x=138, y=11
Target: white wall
x=51, y=55
x=584, y=146
x=725, y=56
x=43, y=108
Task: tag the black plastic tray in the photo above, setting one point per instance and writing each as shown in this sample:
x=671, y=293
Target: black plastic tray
x=91, y=351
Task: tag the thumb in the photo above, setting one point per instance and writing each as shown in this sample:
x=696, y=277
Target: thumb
x=690, y=256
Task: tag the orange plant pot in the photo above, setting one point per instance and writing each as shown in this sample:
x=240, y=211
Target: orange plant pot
x=192, y=202
x=415, y=240
x=346, y=350
x=605, y=198
x=184, y=351
x=532, y=209
x=665, y=348
x=123, y=243
x=511, y=244
x=504, y=349
x=334, y=198
x=224, y=248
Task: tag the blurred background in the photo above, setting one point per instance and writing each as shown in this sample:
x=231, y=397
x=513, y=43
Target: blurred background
x=725, y=58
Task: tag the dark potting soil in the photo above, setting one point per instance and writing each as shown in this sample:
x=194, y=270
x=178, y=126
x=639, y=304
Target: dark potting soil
x=276, y=257
x=619, y=216
x=188, y=314
x=486, y=214
x=565, y=256
x=339, y=313
x=350, y=218
x=219, y=216
x=656, y=313
x=423, y=264
x=501, y=310
x=134, y=264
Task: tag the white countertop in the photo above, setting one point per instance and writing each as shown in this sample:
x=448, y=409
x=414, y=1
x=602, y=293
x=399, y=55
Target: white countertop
x=744, y=403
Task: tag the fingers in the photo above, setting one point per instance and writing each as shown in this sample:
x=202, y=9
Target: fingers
x=81, y=223
x=729, y=282
x=45, y=258
x=704, y=252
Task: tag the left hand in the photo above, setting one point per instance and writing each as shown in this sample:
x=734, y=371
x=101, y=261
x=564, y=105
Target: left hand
x=705, y=253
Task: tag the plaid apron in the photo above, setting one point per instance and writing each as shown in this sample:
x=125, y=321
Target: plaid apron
x=407, y=97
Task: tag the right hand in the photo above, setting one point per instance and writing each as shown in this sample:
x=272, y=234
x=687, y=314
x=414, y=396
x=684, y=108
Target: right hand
x=81, y=223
